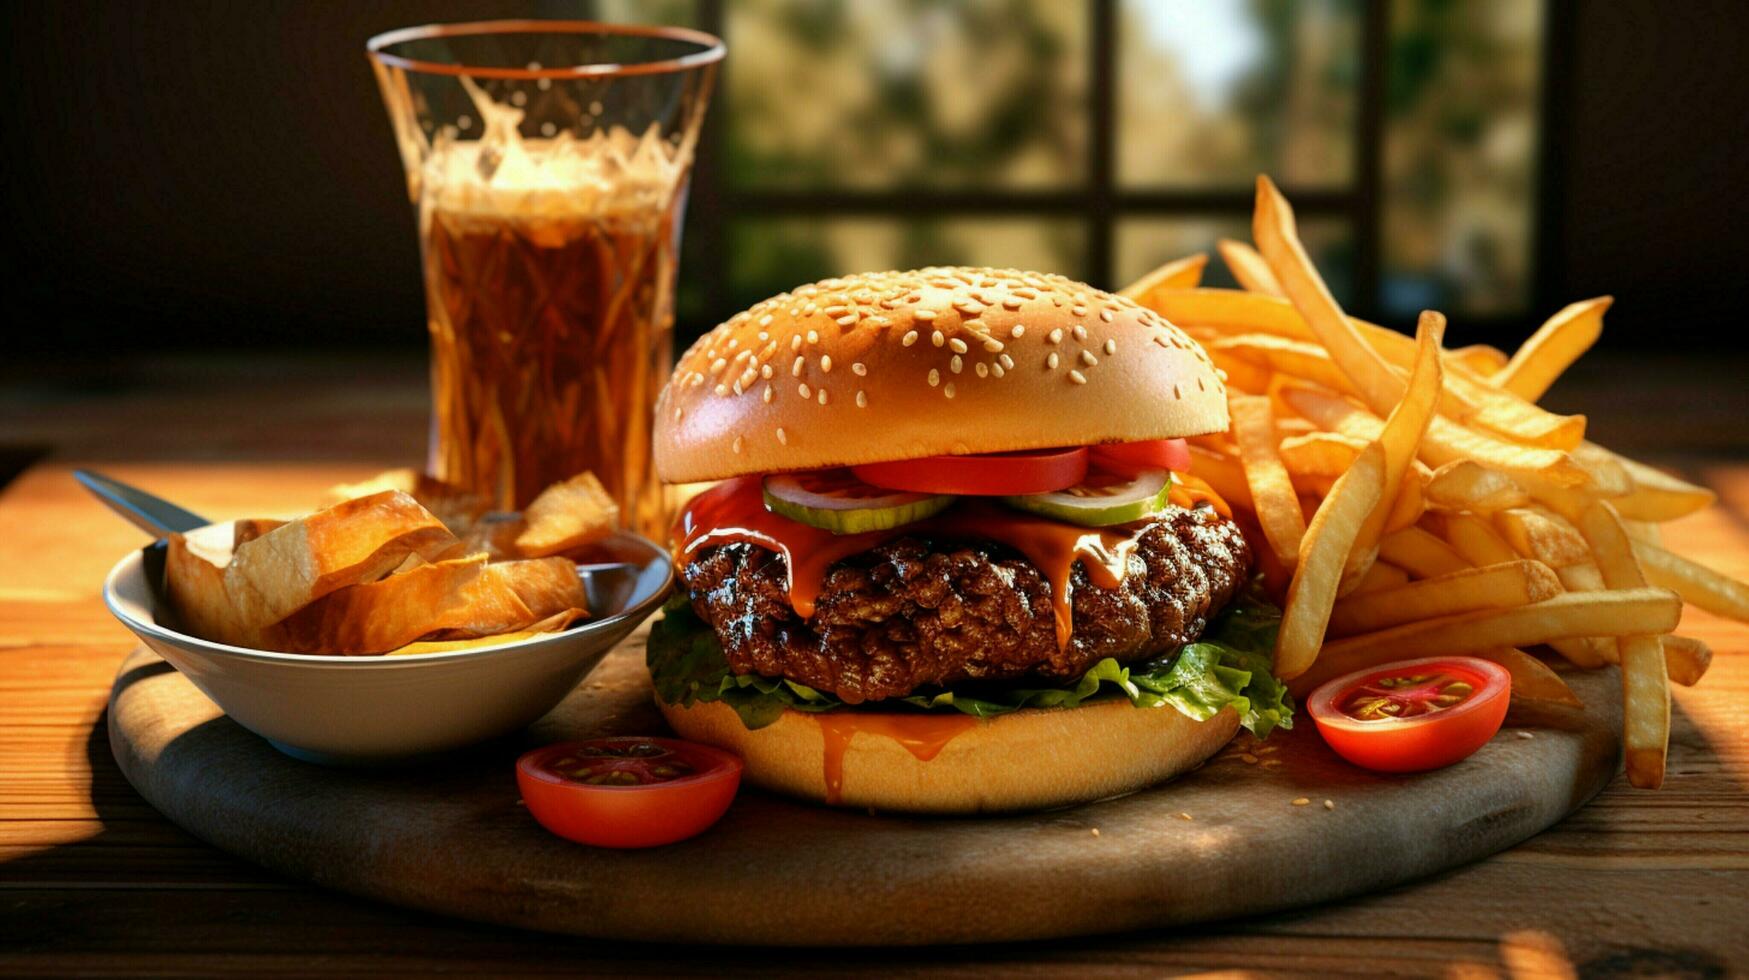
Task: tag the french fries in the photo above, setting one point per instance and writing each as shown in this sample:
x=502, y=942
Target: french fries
x=1272, y=493
x=1552, y=349
x=1502, y=586
x=1644, y=678
x=1184, y=273
x=1522, y=534
x=1248, y=267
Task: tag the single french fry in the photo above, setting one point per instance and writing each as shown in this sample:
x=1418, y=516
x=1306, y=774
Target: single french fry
x=1644, y=532
x=1542, y=534
x=1657, y=496
x=1242, y=374
x=1223, y=473
x=1606, y=473
x=1410, y=504
x=1323, y=552
x=1184, y=273
x=1320, y=453
x=1466, y=485
x=1405, y=428
x=1697, y=584
x=1476, y=540
x=1479, y=359
x=1553, y=348
x=1644, y=678
x=567, y=515
x=1248, y=267
x=1382, y=575
x=1420, y=553
x=1532, y=680
x=1512, y=583
x=1620, y=613
x=1514, y=419
x=1686, y=658
x=1272, y=493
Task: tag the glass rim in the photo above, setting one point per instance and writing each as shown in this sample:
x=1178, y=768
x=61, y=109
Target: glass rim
x=712, y=48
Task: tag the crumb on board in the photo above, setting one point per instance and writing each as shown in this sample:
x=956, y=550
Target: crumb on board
x=1248, y=758
x=1329, y=804
x=1184, y=816
x=1521, y=733
x=1301, y=801
x=1096, y=831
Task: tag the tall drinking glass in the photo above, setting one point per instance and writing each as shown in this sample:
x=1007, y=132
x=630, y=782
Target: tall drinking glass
x=548, y=163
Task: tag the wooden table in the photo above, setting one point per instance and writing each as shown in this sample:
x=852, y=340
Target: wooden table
x=93, y=880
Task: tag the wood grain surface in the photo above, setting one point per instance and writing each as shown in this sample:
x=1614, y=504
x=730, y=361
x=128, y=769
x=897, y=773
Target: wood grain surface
x=92, y=879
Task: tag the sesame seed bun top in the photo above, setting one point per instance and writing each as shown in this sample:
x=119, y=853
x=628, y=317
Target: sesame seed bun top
x=898, y=365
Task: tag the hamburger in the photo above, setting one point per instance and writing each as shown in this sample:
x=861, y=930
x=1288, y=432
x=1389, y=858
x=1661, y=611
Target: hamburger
x=954, y=560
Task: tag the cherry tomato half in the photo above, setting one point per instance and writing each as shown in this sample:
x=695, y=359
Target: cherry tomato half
x=988, y=474
x=1412, y=715
x=628, y=791
x=1150, y=454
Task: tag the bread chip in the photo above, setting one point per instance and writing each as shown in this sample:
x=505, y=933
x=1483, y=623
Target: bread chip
x=566, y=516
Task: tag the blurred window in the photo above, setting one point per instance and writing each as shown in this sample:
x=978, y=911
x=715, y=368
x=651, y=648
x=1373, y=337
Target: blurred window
x=1099, y=138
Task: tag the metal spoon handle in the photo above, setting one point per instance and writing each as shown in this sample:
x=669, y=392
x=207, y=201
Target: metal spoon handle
x=154, y=515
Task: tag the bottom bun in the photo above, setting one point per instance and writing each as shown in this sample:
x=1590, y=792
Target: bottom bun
x=1031, y=759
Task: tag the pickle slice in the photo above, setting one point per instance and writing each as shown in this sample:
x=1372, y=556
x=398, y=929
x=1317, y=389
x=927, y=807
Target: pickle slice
x=1102, y=499
x=836, y=501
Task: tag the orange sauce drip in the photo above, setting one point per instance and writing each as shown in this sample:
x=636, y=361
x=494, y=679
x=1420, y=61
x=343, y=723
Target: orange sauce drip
x=924, y=736
x=735, y=511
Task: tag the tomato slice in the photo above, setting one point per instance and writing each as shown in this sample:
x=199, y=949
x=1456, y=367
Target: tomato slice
x=1150, y=454
x=628, y=791
x=1412, y=715
x=989, y=474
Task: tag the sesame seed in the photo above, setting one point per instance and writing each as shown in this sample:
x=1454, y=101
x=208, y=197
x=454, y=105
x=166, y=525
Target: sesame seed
x=764, y=321
x=679, y=413
x=838, y=309
x=822, y=398
x=1011, y=304
x=767, y=395
x=859, y=369
x=795, y=369
x=1110, y=346
x=1177, y=392
x=805, y=391
x=737, y=386
x=934, y=377
x=1080, y=332
x=975, y=326
x=862, y=399
x=1301, y=801
x=924, y=315
x=736, y=445
x=722, y=389
x=1078, y=310
x=958, y=345
x=1018, y=332
x=938, y=338
x=1105, y=315
x=765, y=370
x=1051, y=360
x=956, y=364
x=909, y=338
x=993, y=346
x=697, y=379
x=810, y=309
x=846, y=320
x=813, y=336
x=1056, y=335
x=718, y=365
x=879, y=321
x=997, y=370
x=1007, y=362
x=782, y=436
x=826, y=363
x=983, y=369
x=1077, y=377
x=948, y=391
x=1329, y=804
x=795, y=343
x=1160, y=339
x=1088, y=359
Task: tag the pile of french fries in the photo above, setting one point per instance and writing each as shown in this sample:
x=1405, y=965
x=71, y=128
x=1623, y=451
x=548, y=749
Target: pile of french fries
x=1418, y=502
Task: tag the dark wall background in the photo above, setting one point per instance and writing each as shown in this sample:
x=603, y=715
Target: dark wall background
x=194, y=173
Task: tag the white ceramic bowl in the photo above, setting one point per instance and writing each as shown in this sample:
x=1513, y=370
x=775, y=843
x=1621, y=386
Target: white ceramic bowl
x=369, y=710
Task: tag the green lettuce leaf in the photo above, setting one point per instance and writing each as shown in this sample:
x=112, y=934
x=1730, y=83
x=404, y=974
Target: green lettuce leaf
x=1228, y=667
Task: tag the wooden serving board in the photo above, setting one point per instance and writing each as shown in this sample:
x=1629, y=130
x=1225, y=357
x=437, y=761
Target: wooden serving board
x=451, y=837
